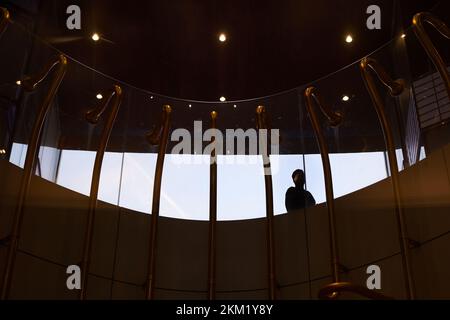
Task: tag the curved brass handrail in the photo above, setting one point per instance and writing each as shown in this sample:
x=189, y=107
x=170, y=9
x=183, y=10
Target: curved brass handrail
x=4, y=20
x=93, y=116
x=329, y=291
x=212, y=216
x=334, y=118
x=161, y=139
x=261, y=124
x=395, y=88
x=30, y=162
x=427, y=44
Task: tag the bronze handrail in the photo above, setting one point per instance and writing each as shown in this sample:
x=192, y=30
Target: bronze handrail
x=159, y=137
x=329, y=291
x=4, y=20
x=427, y=44
x=212, y=216
x=261, y=125
x=334, y=119
x=395, y=88
x=93, y=116
x=29, y=83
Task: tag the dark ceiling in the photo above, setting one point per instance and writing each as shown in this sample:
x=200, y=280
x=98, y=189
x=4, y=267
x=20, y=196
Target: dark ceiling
x=172, y=48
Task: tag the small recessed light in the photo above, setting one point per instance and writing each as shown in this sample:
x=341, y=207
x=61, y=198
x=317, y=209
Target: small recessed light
x=403, y=36
x=2, y=151
x=99, y=96
x=95, y=37
x=349, y=39
x=190, y=106
x=345, y=98
x=222, y=37
x=151, y=97
x=18, y=82
x=222, y=99
x=234, y=106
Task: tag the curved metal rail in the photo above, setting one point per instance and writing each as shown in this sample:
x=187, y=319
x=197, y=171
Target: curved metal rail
x=418, y=26
x=93, y=116
x=4, y=20
x=30, y=84
x=158, y=137
x=395, y=88
x=330, y=291
x=261, y=124
x=334, y=119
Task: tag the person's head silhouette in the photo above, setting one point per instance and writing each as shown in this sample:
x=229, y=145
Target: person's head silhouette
x=298, y=176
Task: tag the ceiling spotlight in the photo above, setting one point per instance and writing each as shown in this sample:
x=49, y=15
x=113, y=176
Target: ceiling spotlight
x=222, y=99
x=151, y=97
x=222, y=37
x=95, y=37
x=349, y=39
x=18, y=82
x=345, y=98
x=99, y=96
x=403, y=36
x=2, y=151
x=234, y=106
x=190, y=106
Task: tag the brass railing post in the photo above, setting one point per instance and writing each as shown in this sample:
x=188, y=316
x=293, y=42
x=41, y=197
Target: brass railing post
x=4, y=20
x=427, y=44
x=92, y=116
x=30, y=84
x=395, y=88
x=328, y=291
x=160, y=137
x=212, y=215
x=262, y=125
x=334, y=119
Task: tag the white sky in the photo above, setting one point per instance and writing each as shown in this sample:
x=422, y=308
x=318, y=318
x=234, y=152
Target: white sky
x=185, y=183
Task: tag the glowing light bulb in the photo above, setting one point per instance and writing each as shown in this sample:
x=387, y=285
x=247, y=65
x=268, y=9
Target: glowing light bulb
x=349, y=39
x=222, y=99
x=345, y=98
x=95, y=37
x=99, y=96
x=222, y=37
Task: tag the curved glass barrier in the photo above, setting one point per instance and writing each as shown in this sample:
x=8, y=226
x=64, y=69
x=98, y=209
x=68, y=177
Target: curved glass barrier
x=357, y=151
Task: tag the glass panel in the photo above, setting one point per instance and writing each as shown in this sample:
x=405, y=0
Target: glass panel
x=240, y=188
x=137, y=181
x=75, y=170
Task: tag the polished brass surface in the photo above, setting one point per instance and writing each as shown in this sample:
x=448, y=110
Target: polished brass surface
x=368, y=65
x=418, y=26
x=161, y=139
x=329, y=291
x=212, y=216
x=30, y=162
x=92, y=116
x=334, y=118
x=4, y=20
x=262, y=124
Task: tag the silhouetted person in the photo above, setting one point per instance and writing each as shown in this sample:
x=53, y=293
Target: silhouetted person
x=297, y=197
